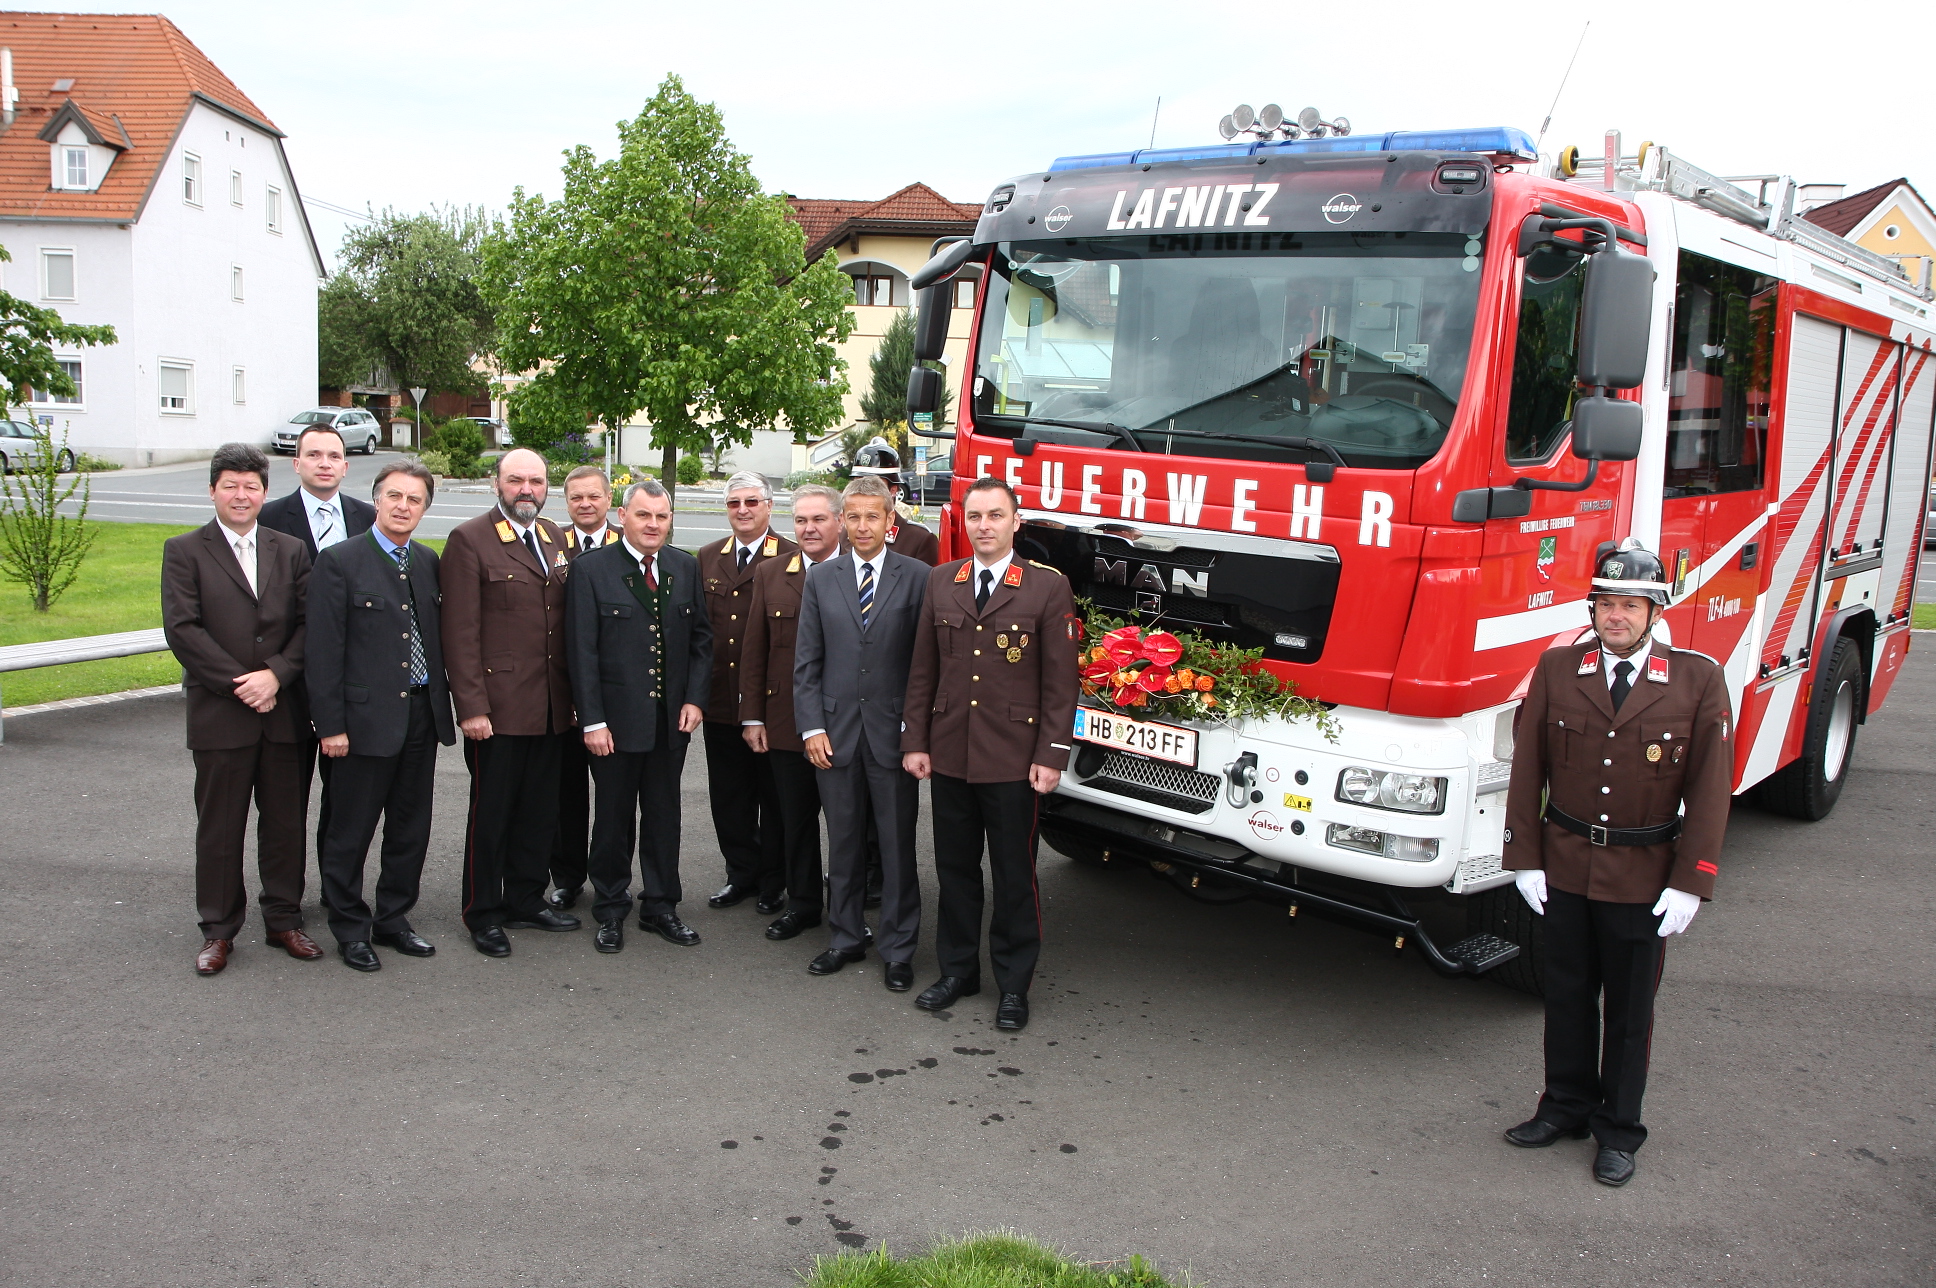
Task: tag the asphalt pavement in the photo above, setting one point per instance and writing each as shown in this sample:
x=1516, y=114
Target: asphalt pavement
x=1244, y=1099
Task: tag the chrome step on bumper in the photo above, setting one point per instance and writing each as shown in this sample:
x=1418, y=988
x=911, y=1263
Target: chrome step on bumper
x=1159, y=843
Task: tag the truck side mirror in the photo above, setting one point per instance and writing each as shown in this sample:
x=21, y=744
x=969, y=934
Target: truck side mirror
x=950, y=256
x=924, y=390
x=1606, y=429
x=1616, y=309
x=933, y=309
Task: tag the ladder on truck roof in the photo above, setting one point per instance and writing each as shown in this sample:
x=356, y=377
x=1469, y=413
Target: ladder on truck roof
x=1655, y=169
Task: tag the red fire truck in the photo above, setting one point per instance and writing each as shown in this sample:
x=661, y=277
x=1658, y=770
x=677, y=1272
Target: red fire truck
x=1374, y=404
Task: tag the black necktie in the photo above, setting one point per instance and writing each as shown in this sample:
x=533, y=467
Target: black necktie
x=987, y=589
x=531, y=542
x=1622, y=683
x=745, y=554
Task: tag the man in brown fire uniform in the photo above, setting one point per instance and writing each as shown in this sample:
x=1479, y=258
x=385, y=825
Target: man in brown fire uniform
x=503, y=576
x=766, y=699
x=746, y=804
x=1629, y=741
x=991, y=700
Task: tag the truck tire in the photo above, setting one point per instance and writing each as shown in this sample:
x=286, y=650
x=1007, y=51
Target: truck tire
x=1808, y=786
x=1502, y=912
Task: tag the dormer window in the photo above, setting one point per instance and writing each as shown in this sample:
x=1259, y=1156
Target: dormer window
x=74, y=161
x=79, y=155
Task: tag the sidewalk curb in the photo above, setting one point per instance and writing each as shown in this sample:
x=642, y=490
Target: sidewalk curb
x=96, y=700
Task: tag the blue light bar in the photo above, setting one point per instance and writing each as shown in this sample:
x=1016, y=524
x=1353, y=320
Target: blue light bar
x=1495, y=140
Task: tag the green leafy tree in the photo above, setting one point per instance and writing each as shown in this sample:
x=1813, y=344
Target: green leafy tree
x=28, y=334
x=663, y=281
x=885, y=402
x=406, y=299
x=41, y=548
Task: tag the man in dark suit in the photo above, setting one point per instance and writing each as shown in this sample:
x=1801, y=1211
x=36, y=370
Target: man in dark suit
x=503, y=576
x=766, y=699
x=991, y=700
x=588, y=500
x=858, y=616
x=373, y=619
x=904, y=535
x=232, y=597
x=319, y=515
x=641, y=663
x=739, y=780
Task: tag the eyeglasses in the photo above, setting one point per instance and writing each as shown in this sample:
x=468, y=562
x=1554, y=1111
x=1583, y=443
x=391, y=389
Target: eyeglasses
x=745, y=503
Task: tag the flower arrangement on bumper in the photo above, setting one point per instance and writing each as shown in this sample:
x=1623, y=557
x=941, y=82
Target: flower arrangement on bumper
x=1180, y=676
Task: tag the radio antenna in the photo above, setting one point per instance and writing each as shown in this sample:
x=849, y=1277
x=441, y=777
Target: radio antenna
x=1544, y=125
x=1154, y=118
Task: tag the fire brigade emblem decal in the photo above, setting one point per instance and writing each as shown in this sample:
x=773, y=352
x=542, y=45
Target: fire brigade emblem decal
x=1549, y=553
x=1058, y=219
x=1341, y=208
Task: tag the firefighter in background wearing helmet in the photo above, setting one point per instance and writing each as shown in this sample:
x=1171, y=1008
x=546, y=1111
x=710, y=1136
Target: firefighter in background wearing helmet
x=1628, y=741
x=904, y=536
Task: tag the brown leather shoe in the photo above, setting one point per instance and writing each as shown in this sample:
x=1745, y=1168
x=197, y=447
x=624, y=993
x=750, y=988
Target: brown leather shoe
x=214, y=956
x=296, y=944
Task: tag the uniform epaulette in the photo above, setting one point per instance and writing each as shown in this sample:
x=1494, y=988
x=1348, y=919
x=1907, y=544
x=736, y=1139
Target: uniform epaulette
x=1044, y=567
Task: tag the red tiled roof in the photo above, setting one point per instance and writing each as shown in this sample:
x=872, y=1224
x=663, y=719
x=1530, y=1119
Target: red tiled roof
x=135, y=76
x=918, y=207
x=1842, y=215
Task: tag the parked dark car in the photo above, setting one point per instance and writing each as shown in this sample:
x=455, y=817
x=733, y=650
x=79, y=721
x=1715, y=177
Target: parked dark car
x=934, y=487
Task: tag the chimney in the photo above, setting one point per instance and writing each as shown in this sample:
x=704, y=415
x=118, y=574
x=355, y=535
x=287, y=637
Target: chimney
x=8, y=94
x=1811, y=195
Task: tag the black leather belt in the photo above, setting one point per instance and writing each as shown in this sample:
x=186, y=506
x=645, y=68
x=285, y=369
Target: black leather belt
x=418, y=690
x=1602, y=835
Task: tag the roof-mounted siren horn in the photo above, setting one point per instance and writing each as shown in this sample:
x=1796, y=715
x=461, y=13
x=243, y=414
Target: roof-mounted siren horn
x=1268, y=124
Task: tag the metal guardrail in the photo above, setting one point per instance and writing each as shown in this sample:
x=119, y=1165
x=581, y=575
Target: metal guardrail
x=87, y=648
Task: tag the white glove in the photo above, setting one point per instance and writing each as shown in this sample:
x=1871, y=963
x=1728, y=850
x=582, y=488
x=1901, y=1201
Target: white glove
x=1532, y=888
x=1675, y=909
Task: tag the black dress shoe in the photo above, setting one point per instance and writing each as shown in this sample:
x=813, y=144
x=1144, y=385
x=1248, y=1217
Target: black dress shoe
x=358, y=955
x=1011, y=1013
x=1613, y=1166
x=791, y=924
x=611, y=936
x=491, y=941
x=833, y=959
x=945, y=992
x=543, y=919
x=729, y=896
x=407, y=942
x=900, y=977
x=564, y=899
x=668, y=927
x=767, y=907
x=1537, y=1133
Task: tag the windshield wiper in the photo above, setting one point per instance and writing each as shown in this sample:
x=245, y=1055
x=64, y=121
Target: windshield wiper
x=1271, y=440
x=1097, y=426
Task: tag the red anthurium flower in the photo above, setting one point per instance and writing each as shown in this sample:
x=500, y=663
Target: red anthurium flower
x=1153, y=679
x=1096, y=672
x=1163, y=648
x=1123, y=644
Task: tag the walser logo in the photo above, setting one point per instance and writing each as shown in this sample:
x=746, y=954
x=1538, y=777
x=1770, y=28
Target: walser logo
x=1341, y=208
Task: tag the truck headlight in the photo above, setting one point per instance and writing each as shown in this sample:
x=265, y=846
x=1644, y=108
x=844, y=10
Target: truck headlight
x=1367, y=840
x=1388, y=789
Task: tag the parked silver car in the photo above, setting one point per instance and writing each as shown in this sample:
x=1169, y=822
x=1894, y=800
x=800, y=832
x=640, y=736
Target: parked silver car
x=19, y=450
x=359, y=428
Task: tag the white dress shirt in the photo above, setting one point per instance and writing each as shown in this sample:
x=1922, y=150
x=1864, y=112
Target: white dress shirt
x=999, y=568
x=326, y=523
x=1608, y=661
x=245, y=553
x=752, y=548
x=592, y=538
x=878, y=562
x=640, y=558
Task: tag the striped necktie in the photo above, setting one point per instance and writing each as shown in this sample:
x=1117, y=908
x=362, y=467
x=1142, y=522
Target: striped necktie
x=866, y=592
x=419, y=671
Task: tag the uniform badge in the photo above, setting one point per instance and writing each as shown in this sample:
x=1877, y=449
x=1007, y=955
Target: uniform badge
x=1724, y=728
x=1590, y=662
x=892, y=533
x=504, y=532
x=772, y=546
x=544, y=536
x=558, y=559
x=1679, y=752
x=1015, y=655
x=1509, y=836
x=1074, y=625
x=1023, y=641
x=794, y=566
x=1001, y=641
x=1014, y=577
x=961, y=573
x=1657, y=669
x=1653, y=751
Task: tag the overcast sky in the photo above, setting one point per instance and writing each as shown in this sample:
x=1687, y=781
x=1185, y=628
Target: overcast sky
x=404, y=103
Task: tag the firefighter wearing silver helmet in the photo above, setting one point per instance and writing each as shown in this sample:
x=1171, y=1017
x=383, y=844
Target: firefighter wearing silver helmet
x=904, y=536
x=1623, y=771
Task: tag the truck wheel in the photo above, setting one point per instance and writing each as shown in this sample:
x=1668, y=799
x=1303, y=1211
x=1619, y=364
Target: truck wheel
x=1807, y=787
x=1502, y=912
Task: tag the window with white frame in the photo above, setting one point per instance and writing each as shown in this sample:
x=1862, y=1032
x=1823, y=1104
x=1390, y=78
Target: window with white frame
x=191, y=179
x=74, y=168
x=56, y=273
x=235, y=282
x=177, y=385
x=272, y=209
x=235, y=187
x=238, y=388
x=46, y=398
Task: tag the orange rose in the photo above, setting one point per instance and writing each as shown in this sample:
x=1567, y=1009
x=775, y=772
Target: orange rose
x=1209, y=701
x=1188, y=677
x=1205, y=683
x=1173, y=685
x=1137, y=698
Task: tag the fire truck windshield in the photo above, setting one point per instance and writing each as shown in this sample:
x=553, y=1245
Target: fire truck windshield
x=1222, y=345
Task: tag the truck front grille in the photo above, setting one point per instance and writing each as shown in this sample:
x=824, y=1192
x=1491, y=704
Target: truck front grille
x=1170, y=786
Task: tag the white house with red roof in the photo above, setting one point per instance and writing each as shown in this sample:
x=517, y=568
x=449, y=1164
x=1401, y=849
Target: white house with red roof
x=141, y=188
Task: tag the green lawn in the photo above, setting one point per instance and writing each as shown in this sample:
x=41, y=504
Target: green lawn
x=997, y=1260
x=119, y=589
x=1924, y=618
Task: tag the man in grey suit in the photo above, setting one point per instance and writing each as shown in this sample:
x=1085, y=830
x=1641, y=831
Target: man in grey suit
x=381, y=706
x=858, y=616
x=640, y=646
